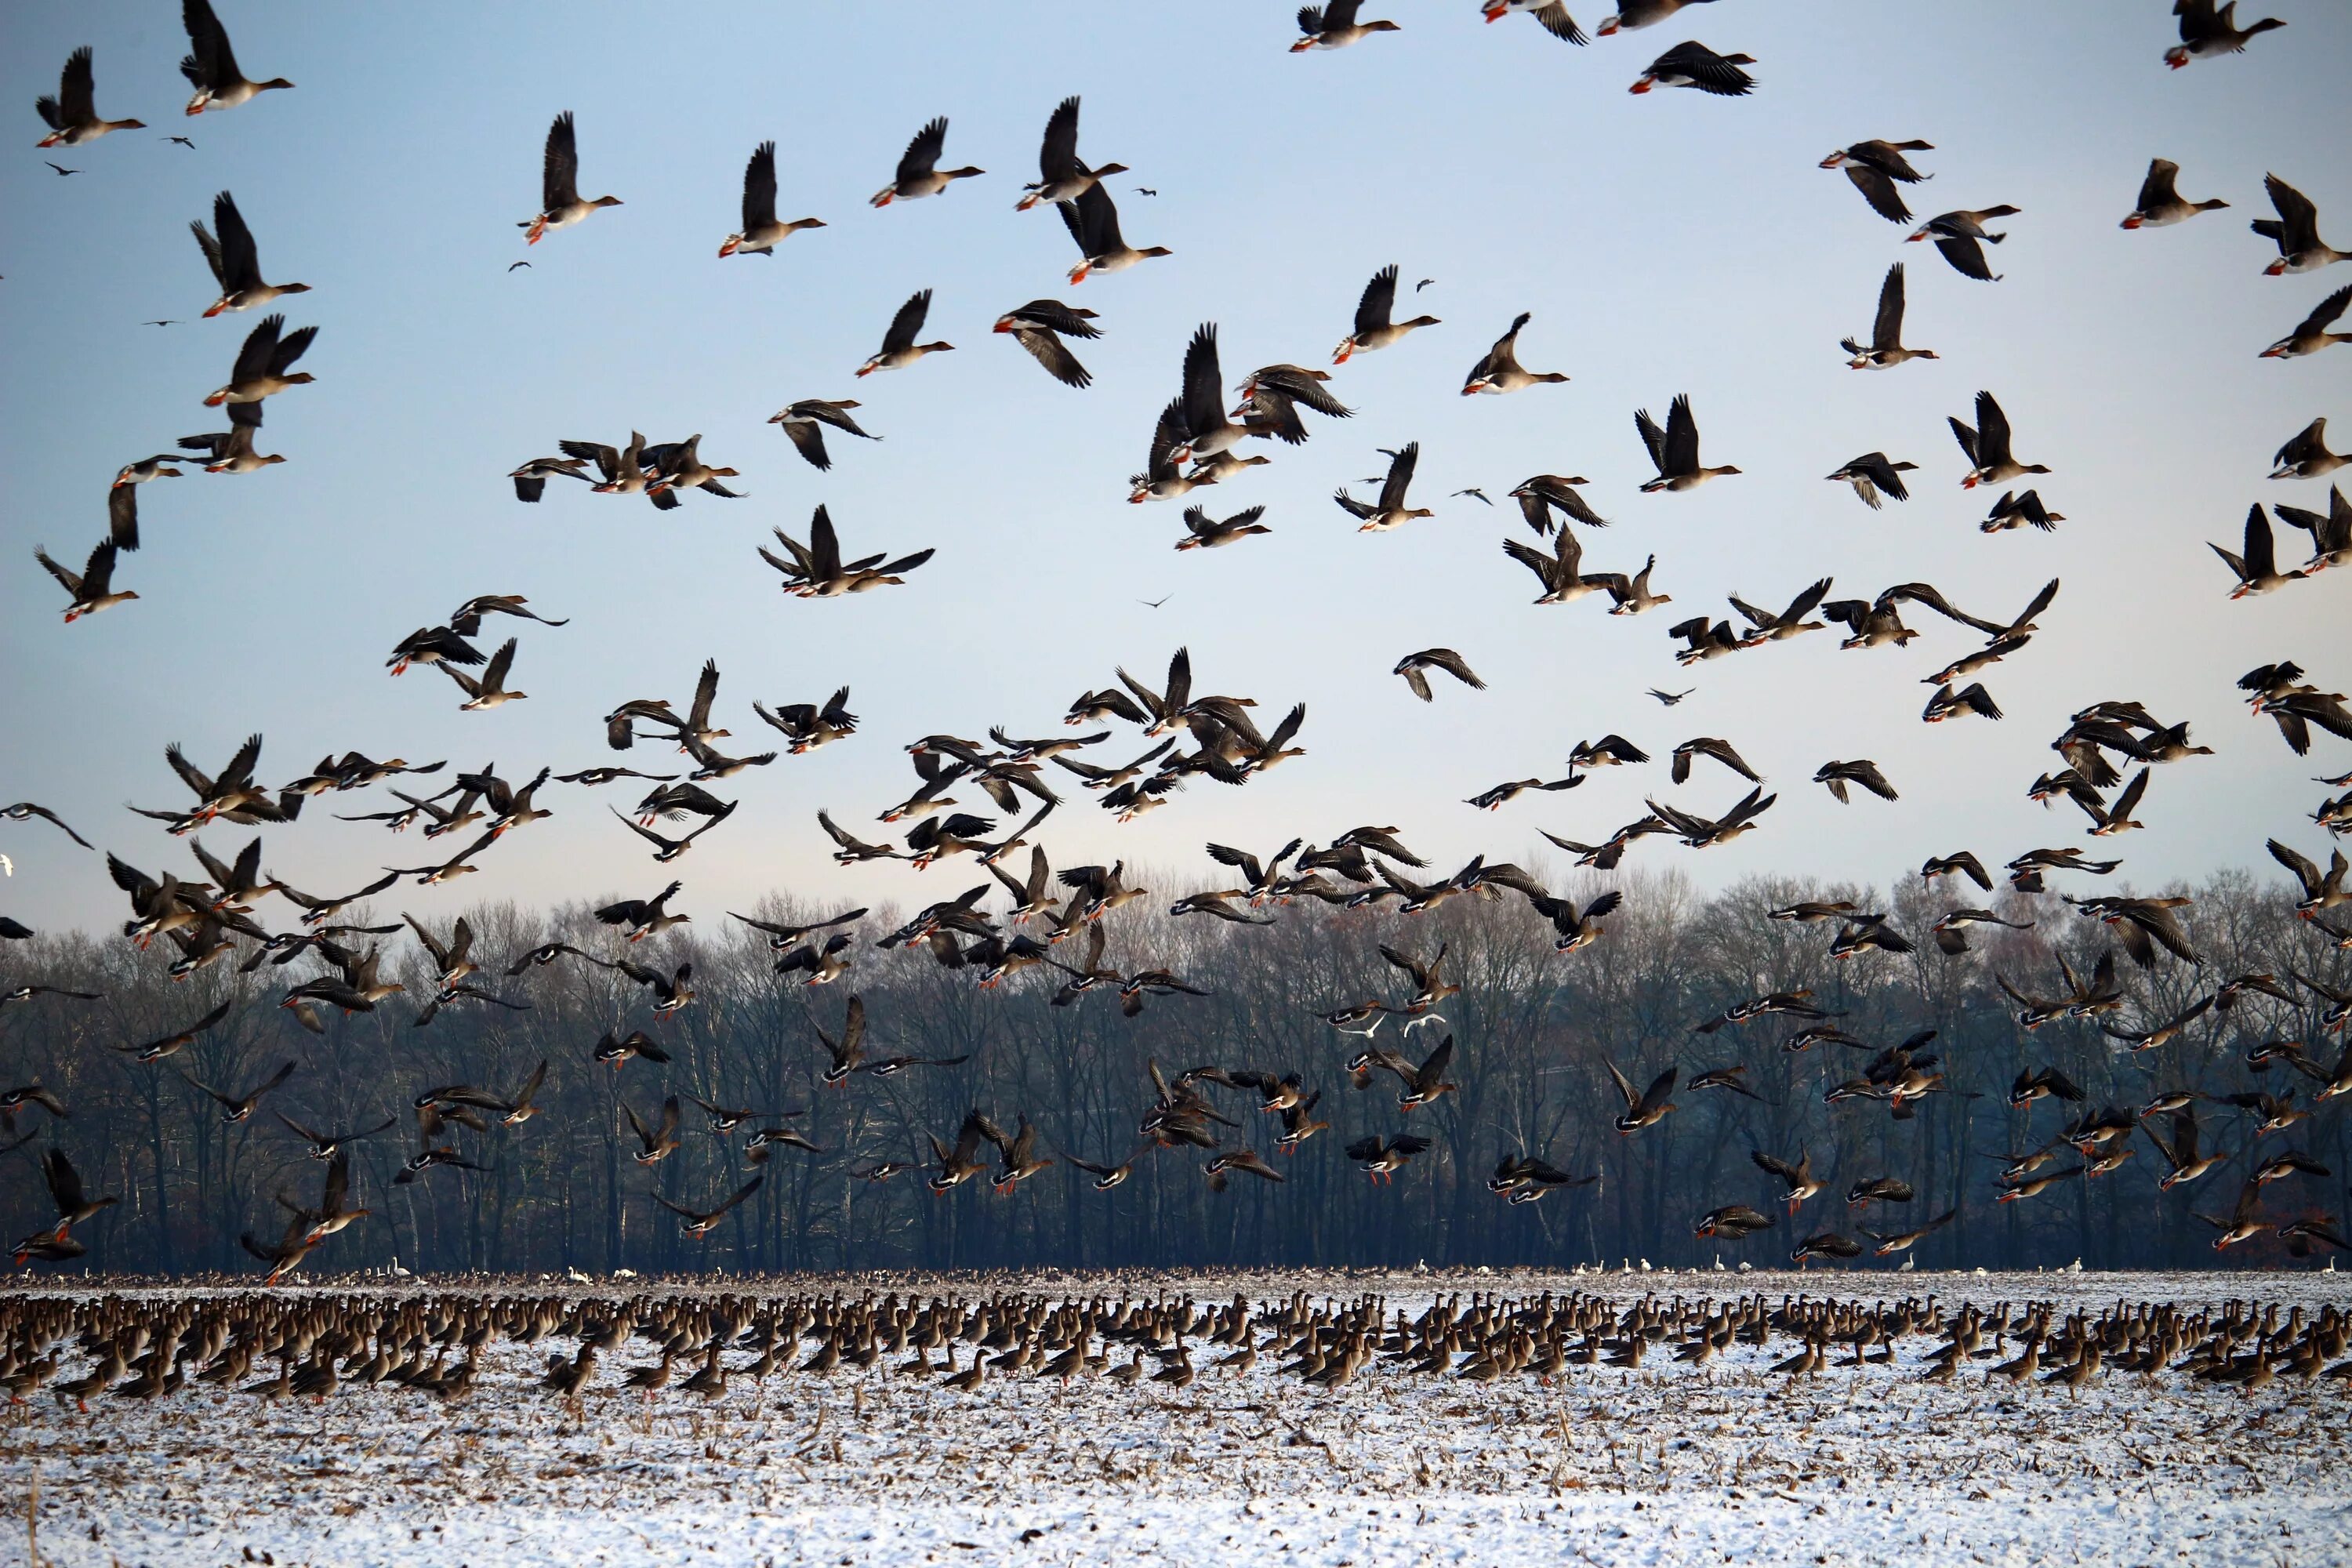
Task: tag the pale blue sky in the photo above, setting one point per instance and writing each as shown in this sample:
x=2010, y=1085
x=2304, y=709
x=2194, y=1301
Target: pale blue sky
x=1669, y=243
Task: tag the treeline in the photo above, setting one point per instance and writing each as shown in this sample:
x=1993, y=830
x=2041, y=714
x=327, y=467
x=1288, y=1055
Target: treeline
x=1535, y=1032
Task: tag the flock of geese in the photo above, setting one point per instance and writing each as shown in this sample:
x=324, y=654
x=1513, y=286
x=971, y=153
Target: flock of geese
x=445, y=1345
x=1175, y=734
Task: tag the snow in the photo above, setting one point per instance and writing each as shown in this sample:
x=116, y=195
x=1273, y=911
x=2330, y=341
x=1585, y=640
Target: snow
x=1666, y=1465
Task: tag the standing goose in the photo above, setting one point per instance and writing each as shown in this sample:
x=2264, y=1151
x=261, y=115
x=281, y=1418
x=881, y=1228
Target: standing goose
x=72, y=115
x=1092, y=219
x=210, y=65
x=2207, y=32
x=1374, y=330
x=1498, y=372
x=261, y=364
x=900, y=348
x=1061, y=177
x=803, y=422
x=560, y=206
x=1961, y=237
x=919, y=171
x=1674, y=449
x=1633, y=13
x=1693, y=64
x=1986, y=446
x=92, y=591
x=2295, y=231
x=235, y=261
x=1390, y=511
x=2313, y=335
x=1552, y=14
x=760, y=233
x=1333, y=25
x=2305, y=457
x=1886, y=350
x=2159, y=205
x=1874, y=167
x=2257, y=570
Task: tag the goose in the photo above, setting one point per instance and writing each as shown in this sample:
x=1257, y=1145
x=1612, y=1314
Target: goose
x=1093, y=222
x=93, y=590
x=918, y=173
x=211, y=67
x=1799, y=1179
x=1541, y=494
x=560, y=206
x=72, y=115
x=1766, y=626
x=1202, y=404
x=1383, y=1158
x=2012, y=509
x=702, y=1222
x=1552, y=14
x=1414, y=666
x=2331, y=531
x=1863, y=772
x=2208, y=32
x=1693, y=64
x=2305, y=457
x=158, y=468
x=807, y=725
x=1038, y=327
x=1563, y=582
x=1061, y=176
x=1873, y=477
x=1203, y=532
x=1674, y=449
x=2256, y=569
x=1499, y=371
x=488, y=690
x=2295, y=231
x=1164, y=477
x=678, y=465
x=1390, y=511
x=2313, y=335
x=235, y=261
x=230, y=451
x=1986, y=446
x=1609, y=751
x=1646, y=1109
x=1632, y=595
x=1886, y=350
x=804, y=421
x=1961, y=237
x=817, y=570
x=530, y=479
x=1633, y=13
x=900, y=348
x=1333, y=25
x=1947, y=703
x=760, y=233
x=261, y=364
x=1575, y=929
x=2159, y=205
x=1874, y=167
x=1375, y=329
x=2320, y=893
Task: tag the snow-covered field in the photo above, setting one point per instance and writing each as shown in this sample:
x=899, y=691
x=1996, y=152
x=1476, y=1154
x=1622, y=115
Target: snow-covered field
x=1668, y=1464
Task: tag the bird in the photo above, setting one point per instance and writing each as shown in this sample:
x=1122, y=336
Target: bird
x=702, y=1222
x=488, y=690
x=1985, y=445
x=1960, y=238
x=211, y=67
x=1333, y=25
x=1865, y=772
x=760, y=233
x=72, y=116
x=1039, y=326
x=2306, y=455
x=1414, y=666
x=561, y=205
x=804, y=422
x=2208, y=32
x=235, y=261
x=1646, y=1109
x=1693, y=64
x=900, y=348
x=1874, y=476
x=1886, y=350
x=2256, y=569
x=1876, y=167
x=1390, y=511
x=1062, y=176
x=2312, y=335
x=918, y=174
x=1375, y=326
x=92, y=589
x=2295, y=232
x=1674, y=449
x=1092, y=219
x=2159, y=205
x=1203, y=532
x=1552, y=14
x=1498, y=370
x=60, y=170
x=263, y=363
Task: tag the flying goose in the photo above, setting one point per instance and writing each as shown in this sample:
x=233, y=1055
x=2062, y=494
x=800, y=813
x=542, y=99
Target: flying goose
x=1552, y=14
x=1765, y=626
x=1164, y=477
x=1202, y=404
x=1947, y=703
x=809, y=726
x=1710, y=746
x=1061, y=177
x=1632, y=595
x=489, y=691
x=1986, y=446
x=1862, y=771
x=2295, y=232
x=1035, y=327
x=1704, y=639
x=900, y=348
x=1646, y=1109
x=1886, y=350
x=1540, y=495
x=210, y=65
x=1693, y=64
x=530, y=479
x=1333, y=25
x=1873, y=476
x=1961, y=235
x=2257, y=569
x=918, y=174
x=1557, y=572
x=2306, y=455
x=261, y=369
x=560, y=206
x=1633, y=13
x=804, y=421
x=1203, y=532
x=1874, y=167
x=235, y=261
x=1390, y=511
x=2208, y=32
x=72, y=115
x=1375, y=329
x=1498, y=370
x=1093, y=222
x=1674, y=449
x=2014, y=509
x=817, y=570
x=1573, y=928
x=2312, y=335
x=760, y=233
x=93, y=589
x=702, y=1222
x=2159, y=205
x=1414, y=666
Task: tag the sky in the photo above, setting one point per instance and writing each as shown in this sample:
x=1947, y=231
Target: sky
x=1668, y=243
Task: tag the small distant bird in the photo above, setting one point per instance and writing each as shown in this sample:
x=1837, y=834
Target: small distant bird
x=1423, y=284
x=170, y=324
x=60, y=168
x=511, y=266
x=1145, y=191
x=1474, y=490
x=182, y=142
x=1670, y=698
x=1155, y=603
